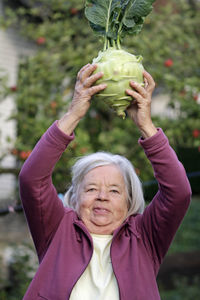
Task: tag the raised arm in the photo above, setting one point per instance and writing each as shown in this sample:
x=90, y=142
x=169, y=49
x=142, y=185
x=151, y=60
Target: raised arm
x=42, y=207
x=163, y=215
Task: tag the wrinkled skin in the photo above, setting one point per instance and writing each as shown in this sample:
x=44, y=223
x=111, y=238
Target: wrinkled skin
x=86, y=87
x=102, y=203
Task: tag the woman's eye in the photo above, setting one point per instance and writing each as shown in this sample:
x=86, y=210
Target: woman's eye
x=115, y=191
x=91, y=190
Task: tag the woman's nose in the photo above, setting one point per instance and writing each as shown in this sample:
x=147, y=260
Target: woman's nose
x=102, y=195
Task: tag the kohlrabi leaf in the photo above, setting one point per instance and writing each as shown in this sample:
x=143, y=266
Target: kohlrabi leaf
x=101, y=14
x=139, y=8
x=115, y=18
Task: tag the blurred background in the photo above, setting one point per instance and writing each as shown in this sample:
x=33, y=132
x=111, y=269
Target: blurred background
x=43, y=44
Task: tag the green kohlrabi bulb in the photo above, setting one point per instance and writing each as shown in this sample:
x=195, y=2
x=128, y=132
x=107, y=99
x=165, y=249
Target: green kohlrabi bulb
x=119, y=67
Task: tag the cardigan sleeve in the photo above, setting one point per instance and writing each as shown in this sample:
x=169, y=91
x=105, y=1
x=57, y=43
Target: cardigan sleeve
x=162, y=217
x=43, y=209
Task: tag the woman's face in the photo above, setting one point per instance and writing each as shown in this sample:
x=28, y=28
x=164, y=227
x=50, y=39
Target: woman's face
x=103, y=199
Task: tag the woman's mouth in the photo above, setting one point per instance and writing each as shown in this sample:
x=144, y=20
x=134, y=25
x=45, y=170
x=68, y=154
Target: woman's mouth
x=101, y=210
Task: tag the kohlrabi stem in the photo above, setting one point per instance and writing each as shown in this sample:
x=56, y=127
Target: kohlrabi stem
x=111, y=43
x=114, y=44
x=108, y=16
x=105, y=44
x=107, y=41
x=118, y=43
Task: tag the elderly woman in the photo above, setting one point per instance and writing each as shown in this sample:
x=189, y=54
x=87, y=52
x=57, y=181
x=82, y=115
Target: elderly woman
x=104, y=245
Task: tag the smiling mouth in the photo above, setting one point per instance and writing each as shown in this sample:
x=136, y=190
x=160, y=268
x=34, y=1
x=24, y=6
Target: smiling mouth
x=101, y=210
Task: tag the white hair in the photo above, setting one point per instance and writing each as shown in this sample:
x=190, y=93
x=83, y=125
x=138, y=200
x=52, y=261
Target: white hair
x=135, y=199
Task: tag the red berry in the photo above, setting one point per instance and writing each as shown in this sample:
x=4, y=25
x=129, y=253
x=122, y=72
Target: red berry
x=41, y=40
x=83, y=150
x=73, y=11
x=183, y=92
x=14, y=151
x=137, y=171
x=74, y=145
x=53, y=104
x=195, y=97
x=168, y=63
x=196, y=133
x=13, y=88
x=25, y=154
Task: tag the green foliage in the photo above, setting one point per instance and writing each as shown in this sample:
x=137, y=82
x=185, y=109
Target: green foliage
x=113, y=19
x=186, y=240
x=21, y=271
x=60, y=32
x=187, y=236
x=3, y=84
x=184, y=290
x=64, y=42
x=169, y=44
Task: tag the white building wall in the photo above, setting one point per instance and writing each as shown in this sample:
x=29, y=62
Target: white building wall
x=12, y=48
x=160, y=107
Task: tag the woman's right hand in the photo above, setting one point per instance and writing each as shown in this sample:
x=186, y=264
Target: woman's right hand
x=83, y=92
x=85, y=89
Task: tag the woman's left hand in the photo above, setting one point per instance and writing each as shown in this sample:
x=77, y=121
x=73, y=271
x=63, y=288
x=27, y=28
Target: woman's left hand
x=140, y=109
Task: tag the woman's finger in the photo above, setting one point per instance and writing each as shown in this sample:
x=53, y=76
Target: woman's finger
x=135, y=95
x=145, y=83
x=97, y=88
x=92, y=79
x=138, y=88
x=150, y=82
x=86, y=72
x=82, y=70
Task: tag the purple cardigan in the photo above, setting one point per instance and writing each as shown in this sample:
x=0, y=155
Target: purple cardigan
x=64, y=245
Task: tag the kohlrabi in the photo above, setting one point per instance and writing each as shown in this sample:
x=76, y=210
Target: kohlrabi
x=113, y=19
